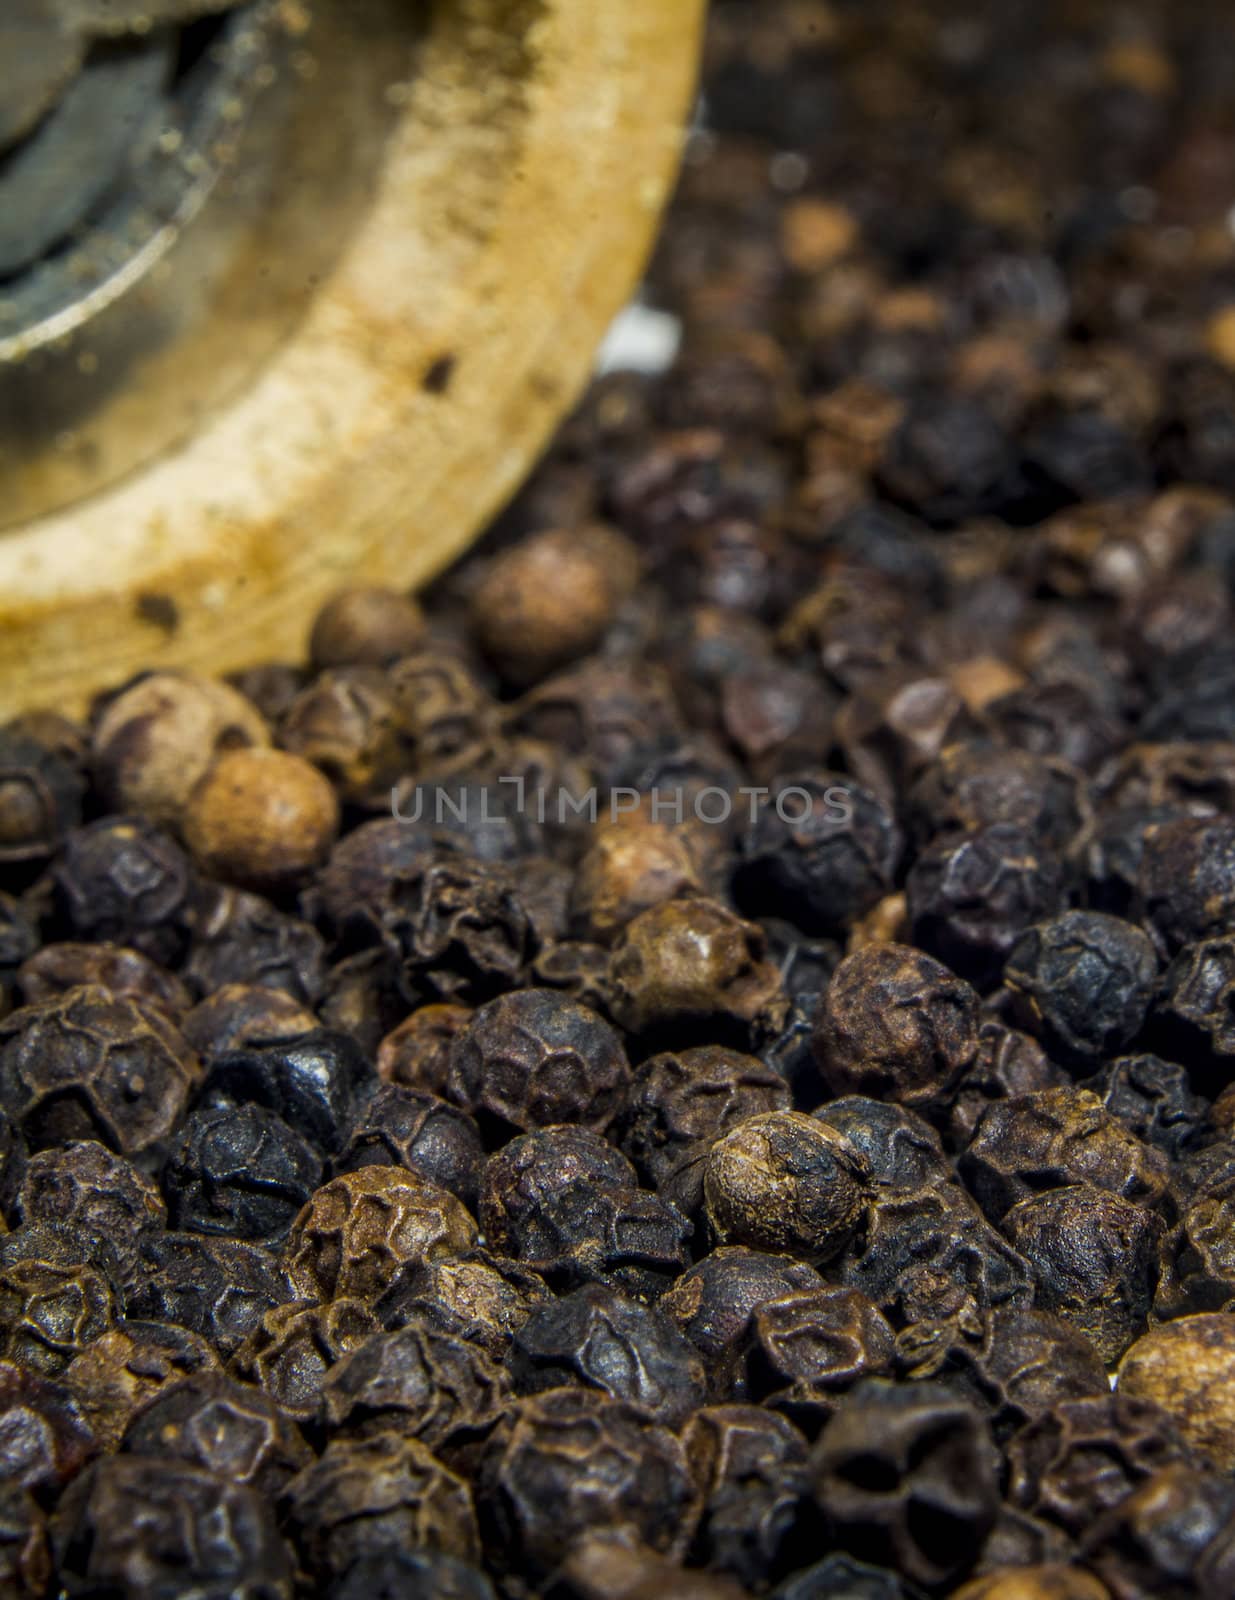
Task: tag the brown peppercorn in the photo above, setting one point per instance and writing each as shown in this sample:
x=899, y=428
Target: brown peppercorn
x=295, y=1345
x=1095, y=1257
x=681, y=1103
x=225, y=1427
x=1188, y=1368
x=346, y=723
x=785, y=1182
x=240, y=1015
x=1048, y=1582
x=1008, y=1063
x=1053, y=1138
x=51, y=1307
x=92, y=1065
x=693, y=965
x=371, y=1494
x=116, y=1374
x=359, y=1229
x=365, y=627
x=634, y=863
x=57, y=967
x=416, y=1380
x=261, y=819
x=481, y=1298
x=449, y=716
x=1082, y=1457
x=894, y=1024
x=548, y=599
x=572, y=1462
x=1022, y=1363
x=534, y=1058
x=896, y=1465
x=417, y=1053
x=157, y=739
x=615, y=1566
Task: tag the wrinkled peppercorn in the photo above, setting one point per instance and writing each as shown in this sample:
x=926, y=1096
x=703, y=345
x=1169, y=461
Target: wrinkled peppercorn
x=315, y=1082
x=116, y=1374
x=84, y=1188
x=910, y=1471
x=91, y=1065
x=534, y=1058
x=242, y=938
x=808, y=1348
x=239, y=1170
x=401, y=1128
x=785, y=1182
x=219, y=1288
x=603, y=1339
x=750, y=1466
x=289, y=1351
x=359, y=1229
x=1186, y=1367
x=59, y=967
x=895, y=1025
x=123, y=880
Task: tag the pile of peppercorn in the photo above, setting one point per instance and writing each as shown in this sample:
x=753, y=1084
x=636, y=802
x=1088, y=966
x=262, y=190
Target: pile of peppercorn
x=830, y=1201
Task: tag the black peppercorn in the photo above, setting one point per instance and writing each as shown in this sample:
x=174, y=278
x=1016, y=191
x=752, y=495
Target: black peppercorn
x=315, y=1082
x=241, y=938
x=239, y=1170
x=123, y=880
x=895, y=1025
x=402, y=1128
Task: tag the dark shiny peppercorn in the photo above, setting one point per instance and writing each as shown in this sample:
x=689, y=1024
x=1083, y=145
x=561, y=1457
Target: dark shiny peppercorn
x=1154, y=1100
x=1082, y=1457
x=91, y=1065
x=600, y=1338
x=750, y=1466
x=571, y=1462
x=219, y=1288
x=1033, y=1142
x=316, y=1082
x=971, y=896
x=1095, y=1257
x=196, y=1532
x=681, y=1102
x=225, y=1427
x=1082, y=983
x=910, y=1472
x=808, y=1348
x=827, y=870
x=362, y=1227
x=402, y=1128
x=125, y=881
x=295, y=1344
x=896, y=1025
x=416, y=1380
x=51, y=1303
x=242, y=938
x=363, y=1496
x=240, y=1171
x=85, y=1188
x=533, y=1058
x=118, y=1373
x=785, y=1182
x=45, y=1438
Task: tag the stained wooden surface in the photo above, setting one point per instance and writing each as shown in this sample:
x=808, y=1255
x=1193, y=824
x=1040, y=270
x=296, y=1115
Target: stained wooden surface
x=519, y=199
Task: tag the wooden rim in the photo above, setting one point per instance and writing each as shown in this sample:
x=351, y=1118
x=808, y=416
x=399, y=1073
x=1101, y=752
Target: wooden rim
x=518, y=200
